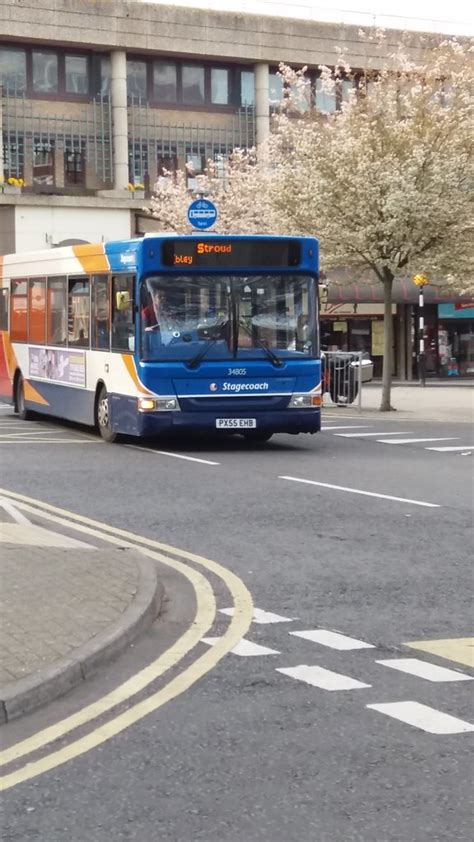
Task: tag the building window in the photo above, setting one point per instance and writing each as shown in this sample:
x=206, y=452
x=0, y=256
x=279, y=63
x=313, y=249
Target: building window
x=247, y=88
x=136, y=79
x=76, y=75
x=74, y=165
x=219, y=86
x=325, y=100
x=195, y=164
x=275, y=90
x=45, y=73
x=105, y=75
x=346, y=87
x=165, y=81
x=193, y=85
x=13, y=70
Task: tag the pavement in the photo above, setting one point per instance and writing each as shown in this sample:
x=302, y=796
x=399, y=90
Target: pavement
x=67, y=608
x=432, y=402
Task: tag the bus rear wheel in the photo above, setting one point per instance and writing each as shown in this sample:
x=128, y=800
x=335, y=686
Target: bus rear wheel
x=24, y=414
x=102, y=417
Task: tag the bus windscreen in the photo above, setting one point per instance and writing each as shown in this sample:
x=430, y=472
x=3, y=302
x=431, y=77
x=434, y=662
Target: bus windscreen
x=231, y=254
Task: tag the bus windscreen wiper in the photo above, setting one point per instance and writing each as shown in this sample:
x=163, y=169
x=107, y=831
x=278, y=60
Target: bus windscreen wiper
x=273, y=357
x=211, y=334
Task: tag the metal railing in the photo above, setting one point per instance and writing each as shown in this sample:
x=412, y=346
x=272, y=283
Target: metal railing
x=343, y=374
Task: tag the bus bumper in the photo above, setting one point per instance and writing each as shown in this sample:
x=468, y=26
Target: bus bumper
x=291, y=421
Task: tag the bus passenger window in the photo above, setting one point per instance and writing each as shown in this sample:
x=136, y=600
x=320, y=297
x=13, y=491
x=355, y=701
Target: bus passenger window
x=19, y=311
x=37, y=311
x=100, y=313
x=122, y=313
x=56, y=311
x=78, y=312
x=3, y=309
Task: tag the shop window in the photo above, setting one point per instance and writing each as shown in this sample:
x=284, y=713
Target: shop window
x=166, y=168
x=3, y=309
x=219, y=86
x=43, y=165
x=247, y=88
x=45, y=72
x=76, y=75
x=19, y=311
x=136, y=79
x=165, y=81
x=56, y=311
x=100, y=313
x=13, y=70
x=193, y=85
x=122, y=313
x=78, y=312
x=346, y=87
x=194, y=166
x=37, y=311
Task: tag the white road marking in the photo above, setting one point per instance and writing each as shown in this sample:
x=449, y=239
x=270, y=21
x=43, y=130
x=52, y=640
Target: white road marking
x=451, y=449
x=322, y=678
x=332, y=639
x=365, y=435
x=174, y=455
x=244, y=648
x=423, y=669
x=416, y=441
x=35, y=433
x=28, y=534
x=51, y=441
x=349, y=427
x=17, y=516
x=365, y=493
x=260, y=616
x=421, y=716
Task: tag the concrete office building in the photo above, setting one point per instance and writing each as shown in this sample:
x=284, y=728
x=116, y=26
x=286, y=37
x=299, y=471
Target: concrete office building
x=100, y=97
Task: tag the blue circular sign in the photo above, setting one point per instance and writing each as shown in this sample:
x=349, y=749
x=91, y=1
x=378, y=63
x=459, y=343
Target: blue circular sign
x=202, y=214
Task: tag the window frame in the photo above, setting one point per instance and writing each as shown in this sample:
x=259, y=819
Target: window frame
x=61, y=94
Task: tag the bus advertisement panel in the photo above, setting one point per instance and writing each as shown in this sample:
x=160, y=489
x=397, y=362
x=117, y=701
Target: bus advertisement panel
x=166, y=333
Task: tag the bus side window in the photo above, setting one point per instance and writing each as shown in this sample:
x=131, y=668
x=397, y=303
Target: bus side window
x=56, y=311
x=37, y=311
x=122, y=313
x=79, y=312
x=3, y=309
x=19, y=311
x=100, y=313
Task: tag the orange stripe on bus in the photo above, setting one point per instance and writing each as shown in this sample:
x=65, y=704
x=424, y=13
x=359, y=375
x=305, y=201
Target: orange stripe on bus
x=31, y=394
x=129, y=363
x=92, y=257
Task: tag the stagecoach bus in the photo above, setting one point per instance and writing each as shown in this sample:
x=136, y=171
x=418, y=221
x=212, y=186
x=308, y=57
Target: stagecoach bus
x=165, y=333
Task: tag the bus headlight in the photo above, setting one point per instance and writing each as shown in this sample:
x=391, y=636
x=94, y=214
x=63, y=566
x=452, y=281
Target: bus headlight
x=304, y=401
x=157, y=404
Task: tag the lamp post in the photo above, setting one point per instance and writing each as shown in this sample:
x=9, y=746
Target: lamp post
x=420, y=281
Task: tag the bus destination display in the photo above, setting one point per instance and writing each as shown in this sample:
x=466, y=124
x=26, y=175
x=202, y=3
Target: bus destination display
x=231, y=254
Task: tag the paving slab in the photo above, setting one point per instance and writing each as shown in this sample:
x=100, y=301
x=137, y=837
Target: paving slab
x=64, y=612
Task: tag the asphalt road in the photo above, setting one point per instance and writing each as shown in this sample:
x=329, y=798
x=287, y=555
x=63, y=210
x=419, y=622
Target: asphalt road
x=279, y=744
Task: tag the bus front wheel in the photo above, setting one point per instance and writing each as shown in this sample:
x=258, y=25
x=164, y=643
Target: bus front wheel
x=24, y=414
x=102, y=414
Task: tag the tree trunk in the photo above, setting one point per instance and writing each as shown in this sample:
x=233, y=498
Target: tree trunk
x=385, y=405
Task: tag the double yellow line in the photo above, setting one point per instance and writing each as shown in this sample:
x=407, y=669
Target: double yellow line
x=203, y=620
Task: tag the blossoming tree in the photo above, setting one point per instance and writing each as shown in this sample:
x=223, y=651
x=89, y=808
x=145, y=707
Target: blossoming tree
x=385, y=182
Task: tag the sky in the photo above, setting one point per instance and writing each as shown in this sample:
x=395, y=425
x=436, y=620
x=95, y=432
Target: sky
x=452, y=18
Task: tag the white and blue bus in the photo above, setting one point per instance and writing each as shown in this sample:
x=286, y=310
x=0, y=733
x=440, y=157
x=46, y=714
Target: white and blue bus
x=165, y=333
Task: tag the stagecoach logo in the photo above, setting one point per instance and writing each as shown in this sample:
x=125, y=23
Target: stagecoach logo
x=240, y=387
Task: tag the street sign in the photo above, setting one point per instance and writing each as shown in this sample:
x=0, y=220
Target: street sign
x=202, y=214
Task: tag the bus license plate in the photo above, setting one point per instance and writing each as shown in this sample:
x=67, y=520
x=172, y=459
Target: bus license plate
x=235, y=423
